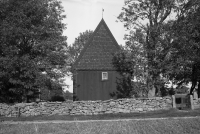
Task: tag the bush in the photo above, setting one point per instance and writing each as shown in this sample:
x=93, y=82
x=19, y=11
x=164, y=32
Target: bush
x=57, y=98
x=171, y=91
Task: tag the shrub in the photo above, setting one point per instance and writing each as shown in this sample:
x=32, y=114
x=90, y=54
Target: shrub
x=57, y=98
x=171, y=91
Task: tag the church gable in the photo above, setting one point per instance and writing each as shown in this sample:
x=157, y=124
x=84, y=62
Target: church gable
x=98, y=53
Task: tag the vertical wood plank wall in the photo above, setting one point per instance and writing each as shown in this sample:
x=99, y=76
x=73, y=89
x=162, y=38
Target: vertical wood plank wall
x=90, y=85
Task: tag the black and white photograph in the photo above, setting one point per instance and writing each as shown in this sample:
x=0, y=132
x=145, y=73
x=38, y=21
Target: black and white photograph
x=99, y=67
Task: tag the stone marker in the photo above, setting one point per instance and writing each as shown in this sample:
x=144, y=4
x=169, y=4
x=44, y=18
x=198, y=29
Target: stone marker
x=151, y=92
x=195, y=96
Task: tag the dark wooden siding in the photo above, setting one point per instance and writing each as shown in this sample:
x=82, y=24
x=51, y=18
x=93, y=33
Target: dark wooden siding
x=91, y=87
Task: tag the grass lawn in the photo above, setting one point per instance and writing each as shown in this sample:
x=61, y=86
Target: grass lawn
x=158, y=126
x=149, y=126
x=153, y=114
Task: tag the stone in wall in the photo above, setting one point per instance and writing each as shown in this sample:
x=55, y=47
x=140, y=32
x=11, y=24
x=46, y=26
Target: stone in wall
x=88, y=107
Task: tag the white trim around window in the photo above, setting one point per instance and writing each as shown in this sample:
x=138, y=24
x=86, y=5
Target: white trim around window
x=104, y=75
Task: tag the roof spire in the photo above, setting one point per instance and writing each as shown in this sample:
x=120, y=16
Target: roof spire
x=102, y=12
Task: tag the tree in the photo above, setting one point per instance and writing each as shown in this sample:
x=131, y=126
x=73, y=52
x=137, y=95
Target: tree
x=130, y=64
x=147, y=22
x=186, y=43
x=32, y=47
x=49, y=90
x=68, y=95
x=79, y=43
x=124, y=65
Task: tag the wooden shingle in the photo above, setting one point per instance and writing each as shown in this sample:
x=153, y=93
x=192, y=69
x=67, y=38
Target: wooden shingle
x=98, y=52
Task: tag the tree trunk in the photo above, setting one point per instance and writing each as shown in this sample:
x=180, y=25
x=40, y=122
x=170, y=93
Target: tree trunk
x=151, y=47
x=198, y=90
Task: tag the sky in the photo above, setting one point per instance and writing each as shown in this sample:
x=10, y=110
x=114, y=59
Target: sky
x=85, y=15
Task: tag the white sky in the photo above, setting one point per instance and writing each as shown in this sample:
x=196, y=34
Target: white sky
x=85, y=15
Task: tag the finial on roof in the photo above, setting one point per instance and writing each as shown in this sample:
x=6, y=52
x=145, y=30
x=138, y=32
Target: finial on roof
x=102, y=12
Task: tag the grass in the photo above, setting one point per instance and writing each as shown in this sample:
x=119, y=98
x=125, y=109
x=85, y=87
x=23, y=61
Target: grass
x=156, y=126
x=162, y=126
x=153, y=114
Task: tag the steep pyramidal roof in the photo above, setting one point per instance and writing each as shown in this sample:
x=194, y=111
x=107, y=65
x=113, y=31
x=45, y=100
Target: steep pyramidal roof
x=98, y=52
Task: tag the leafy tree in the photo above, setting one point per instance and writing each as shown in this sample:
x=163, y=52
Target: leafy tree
x=175, y=58
x=186, y=42
x=57, y=98
x=149, y=37
x=124, y=65
x=32, y=47
x=68, y=95
x=131, y=82
x=50, y=89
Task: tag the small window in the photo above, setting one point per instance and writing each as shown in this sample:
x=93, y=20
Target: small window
x=104, y=75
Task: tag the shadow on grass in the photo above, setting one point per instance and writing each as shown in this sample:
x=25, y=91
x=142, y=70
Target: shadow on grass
x=153, y=114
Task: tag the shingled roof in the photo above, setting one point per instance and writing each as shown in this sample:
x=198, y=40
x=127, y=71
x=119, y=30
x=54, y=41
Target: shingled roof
x=98, y=52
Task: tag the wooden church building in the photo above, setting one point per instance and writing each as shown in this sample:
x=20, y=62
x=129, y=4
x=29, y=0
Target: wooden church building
x=94, y=75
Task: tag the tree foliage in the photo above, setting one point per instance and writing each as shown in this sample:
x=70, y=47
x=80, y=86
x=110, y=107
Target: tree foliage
x=145, y=20
x=151, y=40
x=186, y=43
x=124, y=65
x=68, y=95
x=32, y=47
x=49, y=90
x=180, y=53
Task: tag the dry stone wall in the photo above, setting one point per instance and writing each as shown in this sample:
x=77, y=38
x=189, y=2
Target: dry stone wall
x=86, y=107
